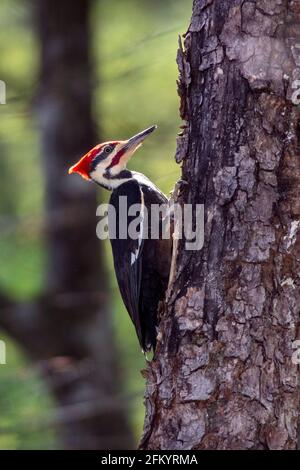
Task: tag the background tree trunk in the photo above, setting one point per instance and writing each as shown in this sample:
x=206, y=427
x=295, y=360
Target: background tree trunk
x=69, y=325
x=223, y=377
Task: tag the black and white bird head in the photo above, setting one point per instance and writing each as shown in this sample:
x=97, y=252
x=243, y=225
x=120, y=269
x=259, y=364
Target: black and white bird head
x=105, y=164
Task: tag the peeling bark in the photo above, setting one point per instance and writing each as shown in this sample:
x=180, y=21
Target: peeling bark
x=223, y=376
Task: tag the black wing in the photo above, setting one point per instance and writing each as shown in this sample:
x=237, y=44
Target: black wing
x=142, y=266
x=156, y=259
x=127, y=253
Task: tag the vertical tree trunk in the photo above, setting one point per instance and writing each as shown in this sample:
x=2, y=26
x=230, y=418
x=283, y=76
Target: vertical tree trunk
x=69, y=325
x=223, y=376
x=76, y=275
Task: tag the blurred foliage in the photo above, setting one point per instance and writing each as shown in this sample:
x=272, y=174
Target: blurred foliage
x=134, y=52
x=24, y=404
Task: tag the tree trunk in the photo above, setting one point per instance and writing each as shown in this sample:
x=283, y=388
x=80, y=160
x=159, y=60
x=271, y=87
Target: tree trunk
x=69, y=325
x=223, y=376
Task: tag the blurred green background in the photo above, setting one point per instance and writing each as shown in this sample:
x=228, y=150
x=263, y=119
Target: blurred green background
x=134, y=46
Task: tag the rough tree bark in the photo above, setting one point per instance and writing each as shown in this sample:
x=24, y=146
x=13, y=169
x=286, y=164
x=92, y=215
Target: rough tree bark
x=223, y=377
x=69, y=325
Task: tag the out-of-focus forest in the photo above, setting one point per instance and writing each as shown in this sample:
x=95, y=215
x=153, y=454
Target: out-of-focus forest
x=133, y=47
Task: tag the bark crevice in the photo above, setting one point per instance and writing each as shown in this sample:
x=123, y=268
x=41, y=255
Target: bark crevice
x=232, y=383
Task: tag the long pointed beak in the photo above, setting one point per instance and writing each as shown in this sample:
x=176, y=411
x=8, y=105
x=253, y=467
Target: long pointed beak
x=137, y=139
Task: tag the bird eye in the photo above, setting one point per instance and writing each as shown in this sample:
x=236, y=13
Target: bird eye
x=108, y=149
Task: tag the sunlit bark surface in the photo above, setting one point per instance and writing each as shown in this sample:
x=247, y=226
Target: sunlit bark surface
x=223, y=376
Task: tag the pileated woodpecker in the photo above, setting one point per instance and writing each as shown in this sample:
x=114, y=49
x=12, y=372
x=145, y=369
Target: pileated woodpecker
x=142, y=265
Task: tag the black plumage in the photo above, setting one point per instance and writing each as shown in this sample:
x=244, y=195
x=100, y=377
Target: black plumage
x=142, y=266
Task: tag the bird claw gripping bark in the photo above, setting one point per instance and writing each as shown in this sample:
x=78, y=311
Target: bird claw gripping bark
x=172, y=201
x=175, y=193
x=135, y=258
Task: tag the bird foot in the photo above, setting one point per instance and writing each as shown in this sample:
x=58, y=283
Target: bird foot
x=176, y=190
